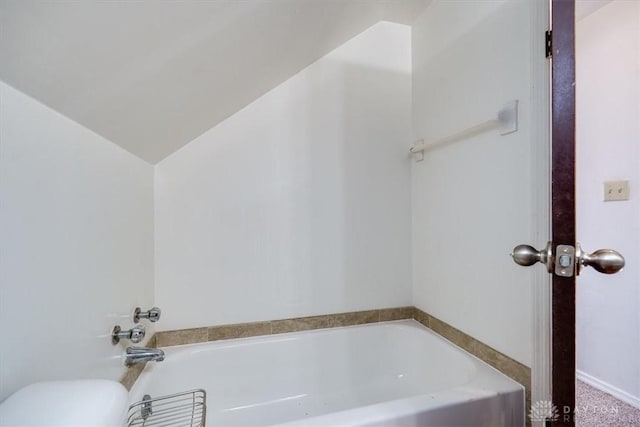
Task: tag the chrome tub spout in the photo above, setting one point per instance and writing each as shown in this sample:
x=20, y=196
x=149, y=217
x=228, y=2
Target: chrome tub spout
x=135, y=355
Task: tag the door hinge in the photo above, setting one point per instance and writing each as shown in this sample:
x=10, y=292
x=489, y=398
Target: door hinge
x=547, y=44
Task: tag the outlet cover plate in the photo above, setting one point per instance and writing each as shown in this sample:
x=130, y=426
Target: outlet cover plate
x=616, y=191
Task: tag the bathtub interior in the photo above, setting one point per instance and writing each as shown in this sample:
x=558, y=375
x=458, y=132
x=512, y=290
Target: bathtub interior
x=288, y=377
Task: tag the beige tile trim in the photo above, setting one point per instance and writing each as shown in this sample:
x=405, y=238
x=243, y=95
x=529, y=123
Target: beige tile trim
x=243, y=330
x=131, y=375
x=180, y=337
x=508, y=366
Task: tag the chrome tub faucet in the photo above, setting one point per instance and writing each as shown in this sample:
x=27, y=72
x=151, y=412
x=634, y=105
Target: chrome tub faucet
x=134, y=355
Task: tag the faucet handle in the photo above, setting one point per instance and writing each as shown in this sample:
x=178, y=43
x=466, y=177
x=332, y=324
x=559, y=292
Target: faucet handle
x=153, y=314
x=135, y=334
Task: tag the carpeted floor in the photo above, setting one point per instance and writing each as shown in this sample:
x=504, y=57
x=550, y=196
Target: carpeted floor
x=595, y=408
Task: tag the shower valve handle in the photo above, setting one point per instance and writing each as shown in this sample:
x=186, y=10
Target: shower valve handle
x=135, y=334
x=153, y=314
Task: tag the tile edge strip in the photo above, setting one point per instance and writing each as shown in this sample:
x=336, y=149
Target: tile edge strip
x=494, y=358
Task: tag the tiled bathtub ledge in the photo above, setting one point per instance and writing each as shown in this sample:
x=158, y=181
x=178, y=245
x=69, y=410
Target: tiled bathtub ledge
x=131, y=375
x=244, y=330
x=508, y=366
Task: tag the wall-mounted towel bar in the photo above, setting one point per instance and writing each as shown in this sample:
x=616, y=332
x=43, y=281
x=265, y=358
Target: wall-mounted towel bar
x=506, y=122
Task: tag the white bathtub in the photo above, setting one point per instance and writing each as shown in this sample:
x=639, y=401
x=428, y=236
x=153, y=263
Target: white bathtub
x=393, y=373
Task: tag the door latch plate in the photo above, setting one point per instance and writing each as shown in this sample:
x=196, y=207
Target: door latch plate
x=565, y=260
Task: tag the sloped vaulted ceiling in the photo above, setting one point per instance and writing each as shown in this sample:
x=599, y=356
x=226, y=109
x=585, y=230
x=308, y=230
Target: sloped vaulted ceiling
x=153, y=75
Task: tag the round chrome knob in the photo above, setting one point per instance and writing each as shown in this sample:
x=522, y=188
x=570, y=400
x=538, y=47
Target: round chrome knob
x=153, y=314
x=135, y=334
x=605, y=261
x=526, y=256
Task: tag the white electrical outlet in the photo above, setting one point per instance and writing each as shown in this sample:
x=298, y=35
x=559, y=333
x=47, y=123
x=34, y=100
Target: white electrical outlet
x=616, y=190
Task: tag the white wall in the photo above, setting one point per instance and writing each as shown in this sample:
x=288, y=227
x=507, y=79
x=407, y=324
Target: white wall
x=476, y=199
x=608, y=133
x=299, y=204
x=76, y=245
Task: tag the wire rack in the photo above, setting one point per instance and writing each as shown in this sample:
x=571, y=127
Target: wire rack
x=185, y=409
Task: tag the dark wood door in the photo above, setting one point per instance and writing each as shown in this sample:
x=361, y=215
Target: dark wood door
x=563, y=205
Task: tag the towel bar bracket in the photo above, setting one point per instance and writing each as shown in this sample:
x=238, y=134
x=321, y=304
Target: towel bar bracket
x=506, y=122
